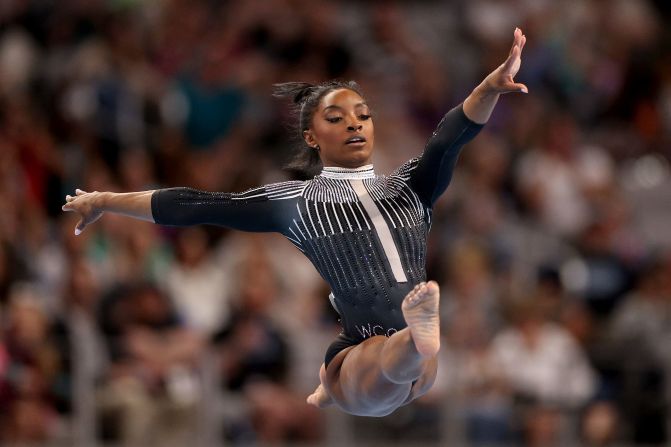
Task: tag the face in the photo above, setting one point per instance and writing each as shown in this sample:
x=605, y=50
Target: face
x=342, y=128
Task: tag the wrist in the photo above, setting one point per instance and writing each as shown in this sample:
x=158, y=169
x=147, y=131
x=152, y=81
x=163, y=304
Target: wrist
x=485, y=90
x=480, y=103
x=101, y=201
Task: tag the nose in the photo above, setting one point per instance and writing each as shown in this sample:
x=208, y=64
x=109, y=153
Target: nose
x=354, y=127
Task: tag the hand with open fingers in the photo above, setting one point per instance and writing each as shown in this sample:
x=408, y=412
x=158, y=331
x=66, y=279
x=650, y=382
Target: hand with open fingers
x=86, y=205
x=501, y=80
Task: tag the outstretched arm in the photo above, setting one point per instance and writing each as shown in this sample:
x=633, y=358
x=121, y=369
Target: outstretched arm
x=261, y=209
x=433, y=171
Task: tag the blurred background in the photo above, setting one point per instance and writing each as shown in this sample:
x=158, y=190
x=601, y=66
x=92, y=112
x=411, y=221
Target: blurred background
x=552, y=245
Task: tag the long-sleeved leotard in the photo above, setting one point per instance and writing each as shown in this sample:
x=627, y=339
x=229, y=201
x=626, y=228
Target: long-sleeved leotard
x=365, y=234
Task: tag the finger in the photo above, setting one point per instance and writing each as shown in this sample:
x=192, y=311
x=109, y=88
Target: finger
x=517, y=37
x=514, y=55
x=523, y=41
x=515, y=88
x=510, y=53
x=79, y=192
x=69, y=198
x=67, y=207
x=79, y=227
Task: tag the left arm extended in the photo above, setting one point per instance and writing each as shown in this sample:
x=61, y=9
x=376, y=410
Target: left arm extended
x=434, y=170
x=479, y=105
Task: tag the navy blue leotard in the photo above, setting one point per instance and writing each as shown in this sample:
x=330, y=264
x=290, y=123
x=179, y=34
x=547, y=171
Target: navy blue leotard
x=366, y=234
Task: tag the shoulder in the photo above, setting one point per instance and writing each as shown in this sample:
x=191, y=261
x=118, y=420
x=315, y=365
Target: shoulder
x=405, y=170
x=287, y=188
x=271, y=191
x=293, y=184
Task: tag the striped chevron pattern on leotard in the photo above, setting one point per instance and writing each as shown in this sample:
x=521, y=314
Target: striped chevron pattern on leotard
x=364, y=233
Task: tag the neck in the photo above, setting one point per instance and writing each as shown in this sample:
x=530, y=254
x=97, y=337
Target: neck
x=337, y=172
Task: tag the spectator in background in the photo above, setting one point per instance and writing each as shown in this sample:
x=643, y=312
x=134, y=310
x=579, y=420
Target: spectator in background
x=151, y=389
x=42, y=254
x=139, y=254
x=197, y=283
x=255, y=361
x=12, y=270
x=471, y=293
x=641, y=327
x=644, y=318
x=30, y=364
x=599, y=274
x=472, y=315
x=478, y=387
x=553, y=178
x=81, y=345
x=548, y=372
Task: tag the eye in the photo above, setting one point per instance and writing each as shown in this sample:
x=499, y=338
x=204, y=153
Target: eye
x=334, y=119
x=365, y=117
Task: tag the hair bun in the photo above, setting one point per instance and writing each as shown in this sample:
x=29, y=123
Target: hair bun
x=304, y=93
x=297, y=91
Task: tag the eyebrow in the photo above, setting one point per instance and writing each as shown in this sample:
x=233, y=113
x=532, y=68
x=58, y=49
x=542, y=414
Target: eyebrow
x=357, y=105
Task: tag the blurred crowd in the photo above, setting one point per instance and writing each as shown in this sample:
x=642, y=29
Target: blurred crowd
x=552, y=245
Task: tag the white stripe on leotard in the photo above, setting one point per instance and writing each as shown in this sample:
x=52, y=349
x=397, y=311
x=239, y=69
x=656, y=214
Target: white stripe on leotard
x=382, y=230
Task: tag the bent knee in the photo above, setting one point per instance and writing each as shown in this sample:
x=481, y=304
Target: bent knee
x=422, y=385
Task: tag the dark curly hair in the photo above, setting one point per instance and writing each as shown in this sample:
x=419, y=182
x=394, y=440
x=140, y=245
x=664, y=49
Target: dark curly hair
x=306, y=97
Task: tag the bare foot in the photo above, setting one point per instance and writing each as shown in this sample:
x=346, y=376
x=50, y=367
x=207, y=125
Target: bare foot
x=420, y=309
x=320, y=398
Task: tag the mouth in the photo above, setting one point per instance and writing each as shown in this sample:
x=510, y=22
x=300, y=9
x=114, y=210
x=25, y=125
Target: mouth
x=356, y=140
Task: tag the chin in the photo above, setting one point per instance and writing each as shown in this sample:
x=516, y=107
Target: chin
x=359, y=157
x=356, y=162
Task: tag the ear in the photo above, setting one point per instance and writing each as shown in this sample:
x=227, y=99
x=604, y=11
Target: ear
x=309, y=138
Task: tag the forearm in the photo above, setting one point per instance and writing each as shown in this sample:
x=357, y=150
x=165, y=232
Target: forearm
x=131, y=204
x=480, y=103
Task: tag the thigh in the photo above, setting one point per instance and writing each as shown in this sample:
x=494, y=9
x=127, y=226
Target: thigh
x=341, y=343
x=355, y=381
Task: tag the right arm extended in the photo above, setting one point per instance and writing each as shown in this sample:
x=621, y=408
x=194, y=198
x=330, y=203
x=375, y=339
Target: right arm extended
x=260, y=209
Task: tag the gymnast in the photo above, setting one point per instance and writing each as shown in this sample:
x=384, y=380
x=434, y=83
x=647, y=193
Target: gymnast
x=365, y=234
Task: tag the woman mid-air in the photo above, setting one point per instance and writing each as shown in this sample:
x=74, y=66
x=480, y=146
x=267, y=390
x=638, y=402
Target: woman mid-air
x=366, y=234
